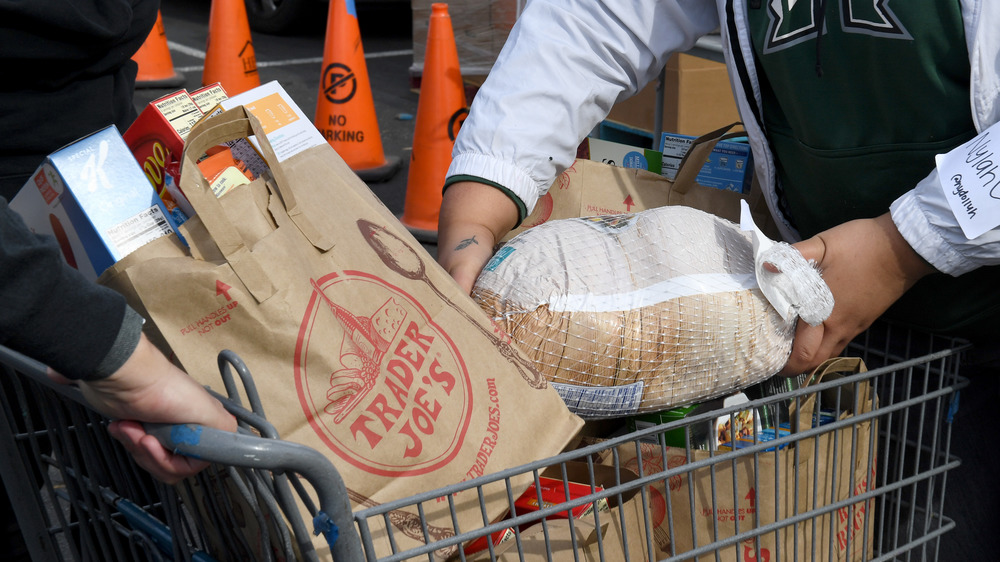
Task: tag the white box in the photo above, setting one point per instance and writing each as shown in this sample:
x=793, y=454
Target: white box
x=624, y=155
x=93, y=197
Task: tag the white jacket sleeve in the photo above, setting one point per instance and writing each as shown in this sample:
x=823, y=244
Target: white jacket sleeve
x=928, y=224
x=923, y=215
x=565, y=64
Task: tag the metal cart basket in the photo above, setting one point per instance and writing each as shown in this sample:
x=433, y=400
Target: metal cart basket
x=621, y=494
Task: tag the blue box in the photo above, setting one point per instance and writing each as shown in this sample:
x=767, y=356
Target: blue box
x=729, y=166
x=763, y=436
x=93, y=197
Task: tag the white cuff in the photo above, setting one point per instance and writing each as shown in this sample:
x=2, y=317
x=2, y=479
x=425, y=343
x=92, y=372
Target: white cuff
x=527, y=189
x=925, y=239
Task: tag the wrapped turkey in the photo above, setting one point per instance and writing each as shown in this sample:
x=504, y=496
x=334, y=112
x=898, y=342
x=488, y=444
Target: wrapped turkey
x=637, y=312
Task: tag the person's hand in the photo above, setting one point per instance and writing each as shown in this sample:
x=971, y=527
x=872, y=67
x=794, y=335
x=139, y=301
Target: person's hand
x=868, y=265
x=473, y=218
x=149, y=388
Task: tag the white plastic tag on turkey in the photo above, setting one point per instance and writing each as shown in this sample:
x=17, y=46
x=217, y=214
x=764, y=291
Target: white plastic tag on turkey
x=796, y=288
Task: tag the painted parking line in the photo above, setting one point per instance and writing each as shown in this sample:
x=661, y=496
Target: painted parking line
x=199, y=54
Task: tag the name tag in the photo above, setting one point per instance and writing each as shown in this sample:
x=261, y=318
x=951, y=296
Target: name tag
x=970, y=178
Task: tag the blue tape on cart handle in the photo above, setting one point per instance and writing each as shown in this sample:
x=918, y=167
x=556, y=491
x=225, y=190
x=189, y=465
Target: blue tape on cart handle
x=186, y=434
x=322, y=524
x=953, y=407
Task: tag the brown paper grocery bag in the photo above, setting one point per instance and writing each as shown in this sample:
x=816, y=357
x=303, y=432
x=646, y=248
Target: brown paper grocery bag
x=591, y=188
x=362, y=347
x=772, y=487
x=830, y=473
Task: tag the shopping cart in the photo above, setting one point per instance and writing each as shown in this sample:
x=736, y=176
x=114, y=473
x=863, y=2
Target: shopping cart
x=78, y=495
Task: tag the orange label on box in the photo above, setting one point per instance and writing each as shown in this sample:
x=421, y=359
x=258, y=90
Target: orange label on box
x=273, y=112
x=49, y=194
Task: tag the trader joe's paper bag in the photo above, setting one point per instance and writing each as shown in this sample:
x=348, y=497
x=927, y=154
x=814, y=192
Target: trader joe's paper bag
x=361, y=346
x=704, y=501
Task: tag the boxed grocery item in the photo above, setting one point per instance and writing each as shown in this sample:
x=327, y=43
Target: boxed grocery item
x=93, y=198
x=729, y=165
x=561, y=484
x=156, y=139
x=288, y=127
x=553, y=491
x=764, y=436
x=737, y=425
x=208, y=97
x=624, y=155
x=157, y=136
x=708, y=435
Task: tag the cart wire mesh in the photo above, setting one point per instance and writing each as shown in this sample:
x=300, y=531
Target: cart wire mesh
x=622, y=493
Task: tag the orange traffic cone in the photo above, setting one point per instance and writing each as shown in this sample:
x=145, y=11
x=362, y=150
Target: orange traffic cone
x=156, y=68
x=229, y=54
x=345, y=110
x=441, y=109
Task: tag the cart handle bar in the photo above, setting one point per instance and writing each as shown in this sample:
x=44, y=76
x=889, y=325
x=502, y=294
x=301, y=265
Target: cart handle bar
x=334, y=519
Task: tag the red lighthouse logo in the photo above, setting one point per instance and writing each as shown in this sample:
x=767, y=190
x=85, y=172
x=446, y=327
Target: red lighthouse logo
x=395, y=398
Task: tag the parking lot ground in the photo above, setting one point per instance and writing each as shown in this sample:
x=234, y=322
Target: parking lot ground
x=295, y=61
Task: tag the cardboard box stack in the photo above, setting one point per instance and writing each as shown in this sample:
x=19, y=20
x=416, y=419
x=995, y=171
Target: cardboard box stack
x=481, y=28
x=697, y=98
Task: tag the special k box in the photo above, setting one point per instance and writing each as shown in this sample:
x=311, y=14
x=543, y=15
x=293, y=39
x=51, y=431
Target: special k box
x=94, y=199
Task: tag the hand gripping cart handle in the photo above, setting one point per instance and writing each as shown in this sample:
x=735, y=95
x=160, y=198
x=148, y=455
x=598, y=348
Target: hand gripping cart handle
x=55, y=452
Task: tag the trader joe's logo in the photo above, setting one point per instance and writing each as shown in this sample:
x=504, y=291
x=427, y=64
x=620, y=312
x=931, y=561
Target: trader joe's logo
x=382, y=384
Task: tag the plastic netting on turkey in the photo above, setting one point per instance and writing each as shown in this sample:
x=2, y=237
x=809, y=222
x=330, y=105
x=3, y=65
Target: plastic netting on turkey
x=638, y=312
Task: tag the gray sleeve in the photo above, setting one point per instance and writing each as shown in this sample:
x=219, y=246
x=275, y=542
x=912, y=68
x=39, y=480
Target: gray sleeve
x=122, y=348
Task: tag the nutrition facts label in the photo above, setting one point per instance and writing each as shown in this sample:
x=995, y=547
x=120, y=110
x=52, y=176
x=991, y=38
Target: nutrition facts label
x=180, y=110
x=140, y=229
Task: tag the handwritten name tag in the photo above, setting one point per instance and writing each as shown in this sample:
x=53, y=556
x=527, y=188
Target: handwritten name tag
x=970, y=177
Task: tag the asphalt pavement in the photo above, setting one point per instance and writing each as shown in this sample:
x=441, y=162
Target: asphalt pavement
x=295, y=61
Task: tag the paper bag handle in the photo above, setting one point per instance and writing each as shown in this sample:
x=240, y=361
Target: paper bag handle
x=697, y=154
x=801, y=419
x=231, y=125
x=240, y=123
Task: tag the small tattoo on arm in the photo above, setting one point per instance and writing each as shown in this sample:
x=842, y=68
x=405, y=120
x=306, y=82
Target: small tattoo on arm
x=466, y=243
